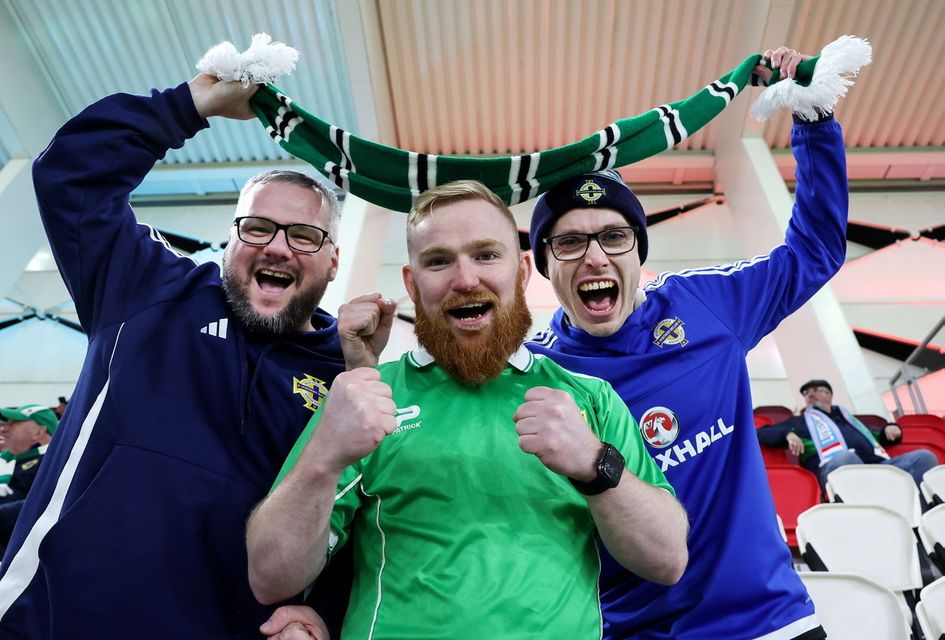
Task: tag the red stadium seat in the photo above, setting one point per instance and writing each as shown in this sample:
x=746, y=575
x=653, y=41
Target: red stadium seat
x=921, y=420
x=776, y=457
x=871, y=420
x=899, y=449
x=794, y=490
x=776, y=412
x=913, y=434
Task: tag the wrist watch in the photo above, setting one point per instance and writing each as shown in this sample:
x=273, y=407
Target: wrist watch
x=610, y=466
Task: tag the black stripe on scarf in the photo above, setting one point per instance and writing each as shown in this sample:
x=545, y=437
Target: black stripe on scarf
x=605, y=156
x=422, y=172
x=609, y=134
x=522, y=179
x=286, y=117
x=336, y=172
x=720, y=89
x=671, y=120
x=340, y=143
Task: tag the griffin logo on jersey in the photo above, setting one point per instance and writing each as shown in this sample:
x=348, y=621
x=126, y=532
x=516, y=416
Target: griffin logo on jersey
x=690, y=447
x=659, y=427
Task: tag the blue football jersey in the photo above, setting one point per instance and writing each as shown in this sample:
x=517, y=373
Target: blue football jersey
x=679, y=364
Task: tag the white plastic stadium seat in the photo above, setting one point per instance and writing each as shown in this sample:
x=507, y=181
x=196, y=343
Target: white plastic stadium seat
x=876, y=484
x=874, y=542
x=932, y=533
x=933, y=484
x=851, y=607
x=931, y=610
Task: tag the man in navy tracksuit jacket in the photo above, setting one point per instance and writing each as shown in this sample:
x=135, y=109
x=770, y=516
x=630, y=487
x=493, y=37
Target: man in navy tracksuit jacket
x=675, y=352
x=193, y=390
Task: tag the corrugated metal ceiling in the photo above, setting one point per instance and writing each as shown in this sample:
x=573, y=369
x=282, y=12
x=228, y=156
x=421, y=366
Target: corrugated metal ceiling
x=93, y=48
x=897, y=100
x=508, y=77
x=500, y=76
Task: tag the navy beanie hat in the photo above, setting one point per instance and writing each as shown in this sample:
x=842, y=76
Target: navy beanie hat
x=598, y=189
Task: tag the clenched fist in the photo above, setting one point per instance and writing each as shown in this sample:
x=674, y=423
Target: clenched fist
x=781, y=58
x=213, y=97
x=550, y=426
x=358, y=414
x=364, y=327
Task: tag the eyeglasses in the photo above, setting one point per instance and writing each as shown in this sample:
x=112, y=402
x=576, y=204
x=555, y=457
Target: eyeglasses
x=613, y=241
x=259, y=231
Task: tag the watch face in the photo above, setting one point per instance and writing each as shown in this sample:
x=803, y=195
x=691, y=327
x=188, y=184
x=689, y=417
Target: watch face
x=611, y=465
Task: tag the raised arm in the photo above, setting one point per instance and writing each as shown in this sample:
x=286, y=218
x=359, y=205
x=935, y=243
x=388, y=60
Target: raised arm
x=762, y=291
x=83, y=180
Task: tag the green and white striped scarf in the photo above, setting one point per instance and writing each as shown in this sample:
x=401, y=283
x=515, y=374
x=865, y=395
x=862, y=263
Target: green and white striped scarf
x=8, y=462
x=392, y=178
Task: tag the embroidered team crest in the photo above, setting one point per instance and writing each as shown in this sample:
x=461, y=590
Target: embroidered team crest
x=659, y=427
x=669, y=331
x=312, y=390
x=591, y=192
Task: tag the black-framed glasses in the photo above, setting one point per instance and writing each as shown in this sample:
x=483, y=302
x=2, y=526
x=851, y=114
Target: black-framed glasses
x=259, y=231
x=613, y=241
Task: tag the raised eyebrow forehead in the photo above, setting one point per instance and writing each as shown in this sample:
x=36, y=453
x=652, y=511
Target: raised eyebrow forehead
x=441, y=249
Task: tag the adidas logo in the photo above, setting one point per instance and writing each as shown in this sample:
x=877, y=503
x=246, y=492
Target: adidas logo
x=217, y=328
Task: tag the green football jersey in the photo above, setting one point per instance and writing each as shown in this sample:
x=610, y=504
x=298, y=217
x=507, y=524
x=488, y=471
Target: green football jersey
x=458, y=533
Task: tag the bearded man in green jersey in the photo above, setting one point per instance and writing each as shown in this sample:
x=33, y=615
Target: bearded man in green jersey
x=477, y=479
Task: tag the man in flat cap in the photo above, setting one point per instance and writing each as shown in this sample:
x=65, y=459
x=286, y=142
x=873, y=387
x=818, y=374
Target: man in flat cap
x=827, y=436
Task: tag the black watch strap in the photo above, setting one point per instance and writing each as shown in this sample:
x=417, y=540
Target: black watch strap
x=610, y=467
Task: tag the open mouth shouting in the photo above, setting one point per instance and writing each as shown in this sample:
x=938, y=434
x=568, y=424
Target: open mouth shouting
x=470, y=316
x=599, y=296
x=273, y=281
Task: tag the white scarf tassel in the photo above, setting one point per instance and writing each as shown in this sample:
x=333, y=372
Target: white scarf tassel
x=839, y=62
x=264, y=62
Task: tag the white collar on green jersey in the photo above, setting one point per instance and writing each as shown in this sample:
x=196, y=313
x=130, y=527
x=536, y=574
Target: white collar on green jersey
x=522, y=359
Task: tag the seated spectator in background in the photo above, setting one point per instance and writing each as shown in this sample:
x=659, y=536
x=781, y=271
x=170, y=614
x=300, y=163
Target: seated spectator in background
x=24, y=435
x=826, y=436
x=61, y=409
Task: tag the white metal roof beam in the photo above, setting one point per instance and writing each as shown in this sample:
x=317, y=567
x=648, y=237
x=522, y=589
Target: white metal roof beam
x=34, y=118
x=363, y=225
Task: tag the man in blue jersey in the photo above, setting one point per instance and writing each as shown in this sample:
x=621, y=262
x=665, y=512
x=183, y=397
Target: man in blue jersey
x=675, y=352
x=827, y=436
x=195, y=386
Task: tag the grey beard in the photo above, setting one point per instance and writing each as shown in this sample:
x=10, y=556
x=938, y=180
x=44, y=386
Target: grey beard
x=289, y=320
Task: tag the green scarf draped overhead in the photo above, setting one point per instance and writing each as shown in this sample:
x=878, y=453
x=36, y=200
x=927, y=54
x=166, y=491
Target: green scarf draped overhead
x=392, y=178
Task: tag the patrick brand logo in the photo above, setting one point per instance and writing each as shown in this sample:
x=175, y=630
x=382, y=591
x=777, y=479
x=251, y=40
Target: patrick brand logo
x=405, y=415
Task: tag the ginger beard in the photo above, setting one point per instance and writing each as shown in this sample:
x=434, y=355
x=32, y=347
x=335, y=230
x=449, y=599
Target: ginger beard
x=481, y=359
x=287, y=320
